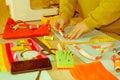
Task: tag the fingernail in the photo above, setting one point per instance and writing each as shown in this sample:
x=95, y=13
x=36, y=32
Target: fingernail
x=65, y=37
x=60, y=32
x=61, y=29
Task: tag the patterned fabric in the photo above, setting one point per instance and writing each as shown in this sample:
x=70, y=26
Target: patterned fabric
x=17, y=51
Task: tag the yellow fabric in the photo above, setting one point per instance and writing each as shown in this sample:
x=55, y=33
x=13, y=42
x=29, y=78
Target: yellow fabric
x=2, y=64
x=96, y=13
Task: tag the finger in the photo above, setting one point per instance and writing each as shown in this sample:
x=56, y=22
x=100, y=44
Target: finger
x=61, y=25
x=55, y=26
x=78, y=35
x=72, y=34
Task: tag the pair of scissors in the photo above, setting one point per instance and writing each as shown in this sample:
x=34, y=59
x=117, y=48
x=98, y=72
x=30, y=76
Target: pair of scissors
x=45, y=50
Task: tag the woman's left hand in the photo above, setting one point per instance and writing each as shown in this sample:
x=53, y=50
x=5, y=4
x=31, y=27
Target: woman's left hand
x=78, y=30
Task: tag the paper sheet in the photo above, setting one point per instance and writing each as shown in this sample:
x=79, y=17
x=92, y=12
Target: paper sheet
x=25, y=76
x=106, y=59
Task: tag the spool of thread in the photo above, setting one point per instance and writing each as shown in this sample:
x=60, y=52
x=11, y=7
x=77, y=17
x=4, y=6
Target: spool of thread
x=48, y=37
x=117, y=65
x=34, y=27
x=118, y=50
x=17, y=48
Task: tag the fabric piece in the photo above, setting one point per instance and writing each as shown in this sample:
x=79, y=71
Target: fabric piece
x=91, y=71
x=9, y=33
x=11, y=52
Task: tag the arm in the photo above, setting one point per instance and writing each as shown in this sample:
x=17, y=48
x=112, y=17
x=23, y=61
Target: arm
x=67, y=8
x=107, y=12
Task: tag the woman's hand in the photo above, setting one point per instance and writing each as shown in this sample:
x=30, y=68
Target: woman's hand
x=78, y=30
x=60, y=23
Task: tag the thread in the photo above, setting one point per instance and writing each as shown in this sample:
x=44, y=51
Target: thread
x=117, y=65
x=17, y=48
x=118, y=50
x=34, y=27
x=48, y=37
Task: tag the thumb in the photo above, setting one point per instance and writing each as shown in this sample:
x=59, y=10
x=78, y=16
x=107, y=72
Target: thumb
x=61, y=26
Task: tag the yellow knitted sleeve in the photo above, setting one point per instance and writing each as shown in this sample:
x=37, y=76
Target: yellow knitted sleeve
x=107, y=12
x=67, y=8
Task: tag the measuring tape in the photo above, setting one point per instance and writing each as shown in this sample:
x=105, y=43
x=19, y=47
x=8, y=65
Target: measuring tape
x=96, y=39
x=91, y=42
x=85, y=54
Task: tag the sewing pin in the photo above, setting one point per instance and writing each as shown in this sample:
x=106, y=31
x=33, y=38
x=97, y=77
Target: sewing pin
x=48, y=37
x=61, y=32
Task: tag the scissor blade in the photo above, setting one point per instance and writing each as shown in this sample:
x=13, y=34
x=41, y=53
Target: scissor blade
x=41, y=44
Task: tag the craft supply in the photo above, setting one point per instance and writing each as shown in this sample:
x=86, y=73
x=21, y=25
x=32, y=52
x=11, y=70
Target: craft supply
x=17, y=48
x=117, y=65
x=60, y=47
x=92, y=71
x=92, y=40
x=103, y=47
x=48, y=37
x=30, y=54
x=105, y=59
x=45, y=49
x=9, y=33
x=64, y=59
x=20, y=50
x=85, y=54
x=116, y=60
x=31, y=65
x=118, y=50
x=33, y=27
x=48, y=45
x=61, y=32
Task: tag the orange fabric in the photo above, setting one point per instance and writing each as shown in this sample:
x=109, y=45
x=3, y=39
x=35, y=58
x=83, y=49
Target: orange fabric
x=91, y=71
x=24, y=32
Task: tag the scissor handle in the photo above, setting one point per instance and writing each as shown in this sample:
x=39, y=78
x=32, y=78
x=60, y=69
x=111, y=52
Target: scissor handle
x=48, y=52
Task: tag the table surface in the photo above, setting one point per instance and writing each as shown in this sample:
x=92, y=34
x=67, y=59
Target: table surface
x=56, y=74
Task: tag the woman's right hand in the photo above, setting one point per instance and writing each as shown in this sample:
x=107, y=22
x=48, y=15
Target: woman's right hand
x=60, y=23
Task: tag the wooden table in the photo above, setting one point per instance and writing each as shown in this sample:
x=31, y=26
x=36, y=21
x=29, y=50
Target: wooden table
x=56, y=74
